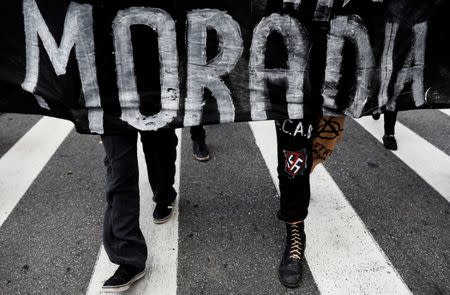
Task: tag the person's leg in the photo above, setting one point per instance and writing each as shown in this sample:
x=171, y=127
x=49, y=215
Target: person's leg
x=294, y=165
x=122, y=236
x=294, y=138
x=389, y=141
x=199, y=148
x=160, y=155
x=198, y=134
x=390, y=118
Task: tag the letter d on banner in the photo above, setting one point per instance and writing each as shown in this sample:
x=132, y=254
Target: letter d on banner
x=348, y=29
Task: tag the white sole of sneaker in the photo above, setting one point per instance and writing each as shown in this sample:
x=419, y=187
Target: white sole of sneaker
x=205, y=159
x=124, y=287
x=164, y=220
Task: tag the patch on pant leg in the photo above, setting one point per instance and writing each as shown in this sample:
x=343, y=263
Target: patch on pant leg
x=295, y=162
x=296, y=128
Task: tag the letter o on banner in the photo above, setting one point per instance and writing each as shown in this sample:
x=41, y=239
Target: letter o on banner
x=161, y=22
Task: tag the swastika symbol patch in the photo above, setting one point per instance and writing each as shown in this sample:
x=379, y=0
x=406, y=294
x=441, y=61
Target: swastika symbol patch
x=295, y=162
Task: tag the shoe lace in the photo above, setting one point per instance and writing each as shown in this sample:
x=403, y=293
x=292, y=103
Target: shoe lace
x=295, y=243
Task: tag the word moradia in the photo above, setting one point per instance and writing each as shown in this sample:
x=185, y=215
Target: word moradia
x=78, y=35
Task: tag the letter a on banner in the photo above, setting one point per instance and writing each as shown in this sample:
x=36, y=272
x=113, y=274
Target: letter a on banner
x=413, y=69
x=298, y=47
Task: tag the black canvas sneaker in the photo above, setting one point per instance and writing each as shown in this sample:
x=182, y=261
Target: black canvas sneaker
x=390, y=142
x=123, y=278
x=200, y=152
x=290, y=271
x=162, y=213
x=376, y=116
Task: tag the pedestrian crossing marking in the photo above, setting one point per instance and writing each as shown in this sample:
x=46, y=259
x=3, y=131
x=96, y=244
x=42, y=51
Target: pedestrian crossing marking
x=343, y=256
x=20, y=166
x=422, y=157
x=446, y=111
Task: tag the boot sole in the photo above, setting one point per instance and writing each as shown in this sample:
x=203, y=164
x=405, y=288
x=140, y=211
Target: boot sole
x=392, y=148
x=289, y=285
x=124, y=287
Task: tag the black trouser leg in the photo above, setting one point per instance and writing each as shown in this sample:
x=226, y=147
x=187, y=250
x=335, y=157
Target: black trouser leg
x=160, y=155
x=390, y=118
x=294, y=138
x=122, y=236
x=198, y=134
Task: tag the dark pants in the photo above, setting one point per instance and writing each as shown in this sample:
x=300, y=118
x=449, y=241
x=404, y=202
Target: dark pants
x=122, y=237
x=294, y=139
x=198, y=134
x=390, y=118
x=160, y=155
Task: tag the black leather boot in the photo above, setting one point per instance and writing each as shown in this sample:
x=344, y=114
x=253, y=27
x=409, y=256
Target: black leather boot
x=290, y=271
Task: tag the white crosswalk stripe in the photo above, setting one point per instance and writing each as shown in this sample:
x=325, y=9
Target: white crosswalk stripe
x=426, y=160
x=344, y=258
x=446, y=111
x=162, y=243
x=25, y=160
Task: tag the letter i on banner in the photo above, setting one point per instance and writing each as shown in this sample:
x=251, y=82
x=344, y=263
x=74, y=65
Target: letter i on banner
x=323, y=10
x=387, y=62
x=78, y=32
x=202, y=74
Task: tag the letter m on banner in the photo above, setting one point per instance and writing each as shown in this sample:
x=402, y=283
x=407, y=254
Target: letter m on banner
x=78, y=33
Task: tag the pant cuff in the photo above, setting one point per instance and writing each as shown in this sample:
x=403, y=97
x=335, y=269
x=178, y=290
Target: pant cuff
x=291, y=218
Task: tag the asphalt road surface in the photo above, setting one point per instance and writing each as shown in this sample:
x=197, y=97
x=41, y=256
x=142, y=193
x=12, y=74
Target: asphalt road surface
x=378, y=224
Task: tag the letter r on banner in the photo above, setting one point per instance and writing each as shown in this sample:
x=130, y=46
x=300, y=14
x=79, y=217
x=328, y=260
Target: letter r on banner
x=202, y=74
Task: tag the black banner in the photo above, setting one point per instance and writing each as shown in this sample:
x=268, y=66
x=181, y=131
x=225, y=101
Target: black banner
x=109, y=66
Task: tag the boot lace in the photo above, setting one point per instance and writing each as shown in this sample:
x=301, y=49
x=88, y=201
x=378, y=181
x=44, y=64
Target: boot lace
x=295, y=243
